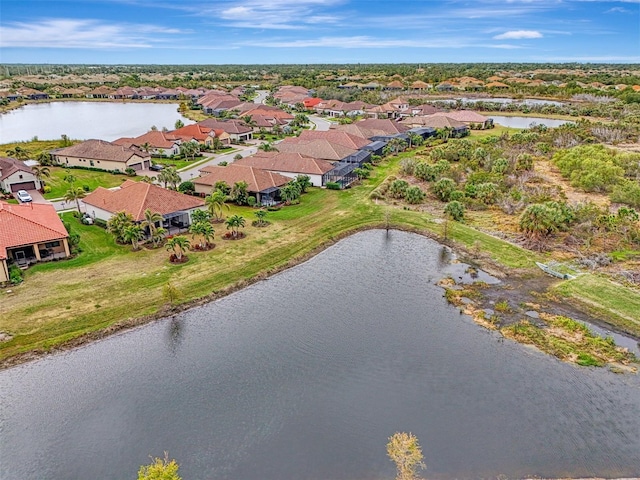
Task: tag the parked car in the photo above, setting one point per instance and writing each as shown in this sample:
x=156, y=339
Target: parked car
x=156, y=168
x=24, y=196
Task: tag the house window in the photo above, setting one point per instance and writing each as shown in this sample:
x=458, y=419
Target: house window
x=52, y=244
x=91, y=162
x=20, y=176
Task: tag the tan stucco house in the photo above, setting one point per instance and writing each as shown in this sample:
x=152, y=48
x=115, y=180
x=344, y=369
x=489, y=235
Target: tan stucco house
x=103, y=155
x=30, y=233
x=15, y=175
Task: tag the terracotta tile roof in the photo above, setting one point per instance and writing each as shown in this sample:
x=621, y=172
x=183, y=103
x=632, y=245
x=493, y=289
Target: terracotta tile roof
x=100, y=150
x=194, y=131
x=311, y=102
x=9, y=166
x=258, y=180
x=419, y=84
x=25, y=224
x=318, y=148
x=136, y=197
x=425, y=109
x=372, y=127
x=265, y=111
x=434, y=121
x=466, y=116
x=155, y=138
x=229, y=126
x=286, y=162
x=335, y=136
x=496, y=85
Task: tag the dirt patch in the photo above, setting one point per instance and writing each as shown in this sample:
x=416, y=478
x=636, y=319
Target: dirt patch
x=552, y=176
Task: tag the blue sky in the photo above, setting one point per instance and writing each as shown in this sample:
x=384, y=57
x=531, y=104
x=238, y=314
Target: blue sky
x=318, y=31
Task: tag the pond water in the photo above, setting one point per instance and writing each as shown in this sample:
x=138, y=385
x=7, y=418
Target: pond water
x=523, y=101
x=85, y=120
x=306, y=375
x=526, y=122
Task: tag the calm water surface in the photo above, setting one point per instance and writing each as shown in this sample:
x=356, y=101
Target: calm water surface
x=305, y=375
x=85, y=120
x=526, y=122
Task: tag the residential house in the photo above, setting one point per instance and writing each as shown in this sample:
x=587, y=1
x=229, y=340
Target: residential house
x=237, y=130
x=468, y=117
x=135, y=197
x=290, y=165
x=336, y=108
x=15, y=175
x=30, y=233
x=335, y=136
x=372, y=127
x=32, y=94
x=420, y=85
x=320, y=148
x=100, y=92
x=155, y=142
x=264, y=185
x=424, y=109
x=194, y=133
x=437, y=122
x=392, y=109
x=103, y=155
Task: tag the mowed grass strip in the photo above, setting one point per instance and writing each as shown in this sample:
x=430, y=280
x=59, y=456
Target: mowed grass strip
x=612, y=302
x=90, y=179
x=108, y=283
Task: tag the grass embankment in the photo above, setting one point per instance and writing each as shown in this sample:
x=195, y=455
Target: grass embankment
x=83, y=178
x=109, y=285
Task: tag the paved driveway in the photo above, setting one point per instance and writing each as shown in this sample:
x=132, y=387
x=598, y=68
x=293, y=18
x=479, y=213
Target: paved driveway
x=35, y=194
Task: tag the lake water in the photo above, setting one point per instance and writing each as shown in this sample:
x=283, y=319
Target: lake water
x=85, y=120
x=306, y=375
x=505, y=101
x=526, y=122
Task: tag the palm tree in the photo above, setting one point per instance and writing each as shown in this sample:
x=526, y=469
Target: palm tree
x=133, y=233
x=260, y=215
x=74, y=194
x=304, y=182
x=239, y=193
x=158, y=235
x=289, y=192
x=267, y=147
x=146, y=147
x=150, y=220
x=69, y=177
x=215, y=202
x=200, y=216
x=249, y=121
x=205, y=230
x=234, y=223
x=41, y=172
x=118, y=223
x=179, y=245
x=19, y=153
x=169, y=176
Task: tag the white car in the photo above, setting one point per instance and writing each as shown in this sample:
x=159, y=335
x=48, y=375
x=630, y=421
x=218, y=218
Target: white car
x=24, y=196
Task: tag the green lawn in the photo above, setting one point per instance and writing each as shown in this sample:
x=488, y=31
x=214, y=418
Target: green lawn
x=89, y=178
x=108, y=284
x=178, y=164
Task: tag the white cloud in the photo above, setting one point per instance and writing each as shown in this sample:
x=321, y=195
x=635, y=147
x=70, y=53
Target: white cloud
x=618, y=10
x=363, y=41
x=72, y=33
x=518, y=34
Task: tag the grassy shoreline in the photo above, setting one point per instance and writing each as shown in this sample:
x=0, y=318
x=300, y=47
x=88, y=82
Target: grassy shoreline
x=108, y=288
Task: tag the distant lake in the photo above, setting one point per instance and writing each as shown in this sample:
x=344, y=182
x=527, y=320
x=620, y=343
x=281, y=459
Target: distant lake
x=504, y=101
x=85, y=120
x=526, y=122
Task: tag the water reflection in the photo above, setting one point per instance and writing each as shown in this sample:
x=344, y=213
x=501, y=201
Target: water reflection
x=175, y=334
